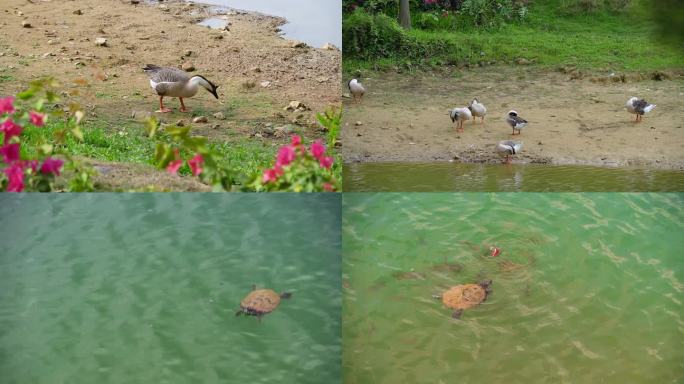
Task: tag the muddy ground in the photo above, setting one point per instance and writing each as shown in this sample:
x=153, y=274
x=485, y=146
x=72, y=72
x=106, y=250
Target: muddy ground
x=257, y=71
x=572, y=119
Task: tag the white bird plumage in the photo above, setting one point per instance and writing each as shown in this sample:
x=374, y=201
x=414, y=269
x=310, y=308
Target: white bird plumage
x=516, y=122
x=356, y=89
x=508, y=148
x=173, y=82
x=638, y=107
x=477, y=109
x=459, y=115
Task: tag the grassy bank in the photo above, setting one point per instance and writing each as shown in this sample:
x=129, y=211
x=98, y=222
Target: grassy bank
x=127, y=143
x=598, y=40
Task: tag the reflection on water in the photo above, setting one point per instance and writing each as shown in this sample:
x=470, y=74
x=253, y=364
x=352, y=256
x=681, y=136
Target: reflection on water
x=314, y=22
x=445, y=177
x=143, y=288
x=588, y=288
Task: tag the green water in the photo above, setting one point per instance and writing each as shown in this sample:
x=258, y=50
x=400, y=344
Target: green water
x=588, y=289
x=143, y=288
x=457, y=177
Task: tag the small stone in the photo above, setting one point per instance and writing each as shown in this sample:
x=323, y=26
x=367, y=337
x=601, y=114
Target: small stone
x=523, y=61
x=216, y=126
x=297, y=44
x=187, y=53
x=188, y=67
x=265, y=84
x=296, y=106
x=259, y=135
x=135, y=2
x=217, y=37
x=164, y=7
x=358, y=123
x=25, y=24
x=330, y=47
x=219, y=116
x=101, y=42
x=78, y=12
x=180, y=123
x=200, y=119
x=255, y=69
x=249, y=84
x=285, y=129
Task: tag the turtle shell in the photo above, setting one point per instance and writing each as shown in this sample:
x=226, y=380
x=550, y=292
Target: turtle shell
x=261, y=301
x=464, y=296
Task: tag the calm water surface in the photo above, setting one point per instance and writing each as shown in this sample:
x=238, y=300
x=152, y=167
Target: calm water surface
x=143, y=288
x=589, y=288
x=445, y=177
x=314, y=22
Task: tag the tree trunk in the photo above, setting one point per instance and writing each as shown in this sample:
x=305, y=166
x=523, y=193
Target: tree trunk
x=404, y=14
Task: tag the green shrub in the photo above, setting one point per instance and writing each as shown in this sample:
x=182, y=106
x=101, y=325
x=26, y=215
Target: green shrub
x=369, y=36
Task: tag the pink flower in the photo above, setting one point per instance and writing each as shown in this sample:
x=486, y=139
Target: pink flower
x=37, y=119
x=317, y=149
x=173, y=166
x=326, y=162
x=10, y=153
x=286, y=155
x=328, y=187
x=10, y=128
x=15, y=174
x=296, y=140
x=7, y=104
x=51, y=165
x=196, y=164
x=269, y=175
x=33, y=164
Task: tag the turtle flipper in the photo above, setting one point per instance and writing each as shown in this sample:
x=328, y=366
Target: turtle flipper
x=437, y=297
x=285, y=295
x=253, y=287
x=457, y=314
x=238, y=313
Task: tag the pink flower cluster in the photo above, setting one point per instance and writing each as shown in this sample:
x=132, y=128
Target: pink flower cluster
x=15, y=171
x=288, y=153
x=195, y=164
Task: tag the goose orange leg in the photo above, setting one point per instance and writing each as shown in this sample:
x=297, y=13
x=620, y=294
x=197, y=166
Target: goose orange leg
x=161, y=106
x=183, y=109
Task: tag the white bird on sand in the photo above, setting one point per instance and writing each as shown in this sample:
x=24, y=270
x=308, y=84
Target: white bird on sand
x=173, y=82
x=516, y=122
x=356, y=89
x=477, y=109
x=508, y=148
x=459, y=115
x=638, y=107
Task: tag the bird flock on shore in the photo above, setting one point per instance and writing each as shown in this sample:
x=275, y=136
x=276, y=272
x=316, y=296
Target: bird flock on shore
x=505, y=148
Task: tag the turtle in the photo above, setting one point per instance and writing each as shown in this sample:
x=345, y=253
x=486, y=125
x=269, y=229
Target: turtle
x=460, y=297
x=260, y=302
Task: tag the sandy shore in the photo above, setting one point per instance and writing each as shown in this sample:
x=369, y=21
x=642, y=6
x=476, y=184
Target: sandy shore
x=62, y=43
x=571, y=121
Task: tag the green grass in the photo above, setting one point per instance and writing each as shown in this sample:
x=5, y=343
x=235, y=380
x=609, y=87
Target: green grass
x=600, y=41
x=128, y=143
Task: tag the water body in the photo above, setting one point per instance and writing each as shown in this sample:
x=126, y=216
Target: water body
x=589, y=288
x=313, y=22
x=143, y=288
x=445, y=177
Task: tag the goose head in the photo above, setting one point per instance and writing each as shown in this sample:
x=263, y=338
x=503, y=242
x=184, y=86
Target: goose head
x=204, y=83
x=512, y=113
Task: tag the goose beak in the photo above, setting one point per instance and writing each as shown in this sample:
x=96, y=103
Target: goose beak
x=213, y=92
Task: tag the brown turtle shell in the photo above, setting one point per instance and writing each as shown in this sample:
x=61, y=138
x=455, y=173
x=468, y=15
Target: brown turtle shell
x=261, y=301
x=464, y=296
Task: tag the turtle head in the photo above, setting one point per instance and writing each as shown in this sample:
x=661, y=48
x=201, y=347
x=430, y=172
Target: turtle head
x=486, y=284
x=285, y=295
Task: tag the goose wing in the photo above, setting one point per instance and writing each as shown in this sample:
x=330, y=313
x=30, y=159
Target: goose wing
x=166, y=74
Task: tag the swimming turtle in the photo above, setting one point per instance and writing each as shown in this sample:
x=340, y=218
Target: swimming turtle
x=464, y=296
x=260, y=302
